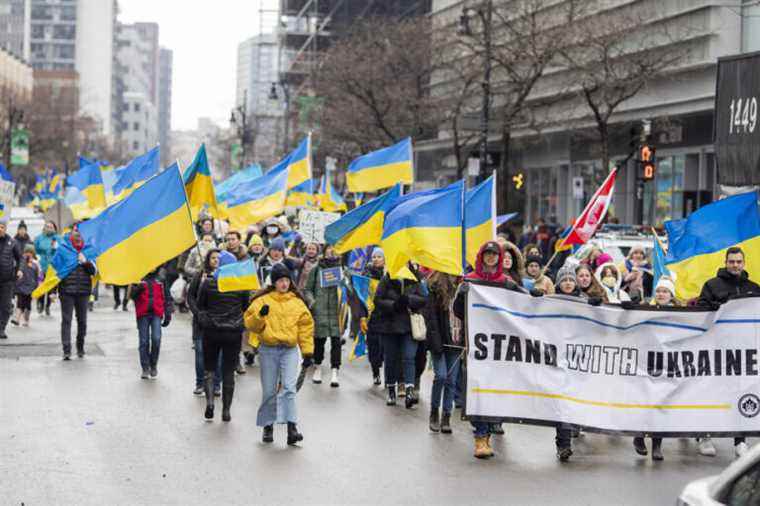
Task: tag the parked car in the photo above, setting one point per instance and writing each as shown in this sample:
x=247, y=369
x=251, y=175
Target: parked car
x=738, y=484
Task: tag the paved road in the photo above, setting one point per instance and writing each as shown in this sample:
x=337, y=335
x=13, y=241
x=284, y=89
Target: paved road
x=91, y=432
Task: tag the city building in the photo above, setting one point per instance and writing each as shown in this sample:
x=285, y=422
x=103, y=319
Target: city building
x=165, y=104
x=16, y=77
x=185, y=145
x=139, y=128
x=15, y=27
x=680, y=106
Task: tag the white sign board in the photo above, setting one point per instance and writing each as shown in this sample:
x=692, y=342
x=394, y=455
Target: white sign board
x=312, y=224
x=473, y=167
x=608, y=369
x=7, y=190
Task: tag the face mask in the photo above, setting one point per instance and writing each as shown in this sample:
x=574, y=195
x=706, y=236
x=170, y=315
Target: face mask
x=609, y=281
x=272, y=230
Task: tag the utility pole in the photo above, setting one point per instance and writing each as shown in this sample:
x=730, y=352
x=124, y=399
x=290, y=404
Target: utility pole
x=286, y=127
x=239, y=118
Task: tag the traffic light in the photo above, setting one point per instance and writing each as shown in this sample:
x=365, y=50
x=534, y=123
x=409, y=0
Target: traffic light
x=518, y=180
x=647, y=161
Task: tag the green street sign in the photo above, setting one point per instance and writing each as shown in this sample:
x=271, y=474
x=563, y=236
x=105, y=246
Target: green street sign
x=20, y=147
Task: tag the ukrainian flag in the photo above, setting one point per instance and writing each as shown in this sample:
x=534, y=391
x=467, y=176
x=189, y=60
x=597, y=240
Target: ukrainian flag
x=329, y=199
x=257, y=200
x=302, y=195
x=382, y=168
x=362, y=226
x=138, y=170
x=225, y=188
x=89, y=181
x=199, y=186
x=149, y=227
x=697, y=245
x=4, y=174
x=426, y=227
x=110, y=177
x=480, y=217
x=297, y=164
x=51, y=191
x=239, y=276
x=64, y=261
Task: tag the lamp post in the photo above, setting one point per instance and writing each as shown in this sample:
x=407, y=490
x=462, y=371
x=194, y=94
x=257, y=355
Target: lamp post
x=239, y=118
x=286, y=94
x=485, y=13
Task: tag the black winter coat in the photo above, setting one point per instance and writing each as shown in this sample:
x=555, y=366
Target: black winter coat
x=79, y=281
x=9, y=259
x=438, y=324
x=221, y=311
x=726, y=286
x=374, y=324
x=391, y=313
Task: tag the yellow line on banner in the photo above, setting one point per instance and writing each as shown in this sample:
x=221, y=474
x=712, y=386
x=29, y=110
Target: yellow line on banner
x=619, y=405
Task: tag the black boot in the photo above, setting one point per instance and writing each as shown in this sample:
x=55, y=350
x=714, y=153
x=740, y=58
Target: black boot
x=446, y=423
x=435, y=424
x=227, y=392
x=640, y=446
x=80, y=349
x=391, y=400
x=657, y=448
x=208, y=388
x=293, y=435
x=411, y=397
x=268, y=435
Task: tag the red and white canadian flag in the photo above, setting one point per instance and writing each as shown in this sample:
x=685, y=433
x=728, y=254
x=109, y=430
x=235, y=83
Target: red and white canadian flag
x=593, y=215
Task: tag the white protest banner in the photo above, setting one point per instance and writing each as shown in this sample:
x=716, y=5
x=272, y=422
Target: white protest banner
x=546, y=360
x=312, y=224
x=7, y=190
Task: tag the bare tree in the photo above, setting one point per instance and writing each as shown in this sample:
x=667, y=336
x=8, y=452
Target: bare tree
x=375, y=86
x=616, y=55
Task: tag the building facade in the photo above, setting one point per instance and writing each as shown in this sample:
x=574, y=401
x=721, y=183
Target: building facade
x=165, y=104
x=679, y=105
x=15, y=27
x=139, y=129
x=16, y=76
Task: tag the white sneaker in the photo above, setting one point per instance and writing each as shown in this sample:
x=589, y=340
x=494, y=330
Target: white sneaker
x=334, y=380
x=317, y=377
x=741, y=449
x=706, y=448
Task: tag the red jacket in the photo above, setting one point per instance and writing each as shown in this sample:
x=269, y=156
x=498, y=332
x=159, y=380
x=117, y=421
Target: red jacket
x=150, y=299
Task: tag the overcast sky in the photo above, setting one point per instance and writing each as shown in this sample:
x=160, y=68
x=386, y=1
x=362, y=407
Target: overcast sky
x=204, y=37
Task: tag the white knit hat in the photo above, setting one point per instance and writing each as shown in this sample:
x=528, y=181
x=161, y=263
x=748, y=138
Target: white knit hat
x=666, y=283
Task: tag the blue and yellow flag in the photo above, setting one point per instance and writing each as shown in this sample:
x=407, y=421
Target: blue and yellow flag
x=240, y=276
x=697, y=245
x=297, y=164
x=301, y=195
x=4, y=174
x=257, y=200
x=480, y=217
x=329, y=199
x=382, y=168
x=89, y=181
x=362, y=226
x=138, y=170
x=426, y=227
x=51, y=190
x=149, y=227
x=658, y=260
x=199, y=186
x=64, y=261
x=224, y=189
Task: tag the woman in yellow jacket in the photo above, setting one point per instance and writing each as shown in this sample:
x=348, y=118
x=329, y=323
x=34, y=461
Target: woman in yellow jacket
x=283, y=323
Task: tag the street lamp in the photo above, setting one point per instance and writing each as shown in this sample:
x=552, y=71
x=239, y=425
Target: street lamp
x=485, y=13
x=239, y=118
x=273, y=96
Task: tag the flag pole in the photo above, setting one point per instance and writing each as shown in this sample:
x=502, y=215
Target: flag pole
x=463, y=227
x=189, y=212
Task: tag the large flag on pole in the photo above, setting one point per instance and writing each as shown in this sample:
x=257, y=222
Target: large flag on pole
x=258, y=200
x=362, y=226
x=480, y=217
x=138, y=170
x=89, y=181
x=297, y=164
x=593, y=215
x=149, y=227
x=199, y=186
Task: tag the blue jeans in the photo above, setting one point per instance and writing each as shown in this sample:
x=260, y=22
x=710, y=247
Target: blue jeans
x=397, y=346
x=149, y=330
x=279, y=365
x=446, y=369
x=199, y=370
x=481, y=428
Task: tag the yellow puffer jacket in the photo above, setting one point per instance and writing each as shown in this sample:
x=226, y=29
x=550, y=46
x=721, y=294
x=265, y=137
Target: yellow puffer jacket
x=288, y=323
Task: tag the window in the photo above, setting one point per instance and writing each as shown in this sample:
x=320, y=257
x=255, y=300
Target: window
x=38, y=31
x=65, y=51
x=69, y=13
x=136, y=126
x=135, y=145
x=64, y=32
x=745, y=491
x=137, y=107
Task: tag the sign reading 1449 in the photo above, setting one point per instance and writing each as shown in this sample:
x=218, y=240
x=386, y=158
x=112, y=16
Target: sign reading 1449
x=743, y=117
x=736, y=129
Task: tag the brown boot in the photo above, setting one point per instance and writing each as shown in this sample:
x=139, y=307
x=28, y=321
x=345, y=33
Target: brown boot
x=488, y=446
x=481, y=448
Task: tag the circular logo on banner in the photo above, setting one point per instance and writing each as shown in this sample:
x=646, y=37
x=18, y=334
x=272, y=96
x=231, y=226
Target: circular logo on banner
x=749, y=405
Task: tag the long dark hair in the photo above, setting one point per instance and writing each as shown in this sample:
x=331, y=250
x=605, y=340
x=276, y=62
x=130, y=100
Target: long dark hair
x=443, y=286
x=207, y=261
x=271, y=288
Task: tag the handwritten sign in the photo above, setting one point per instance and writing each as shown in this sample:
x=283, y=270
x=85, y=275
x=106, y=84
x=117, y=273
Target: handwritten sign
x=312, y=225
